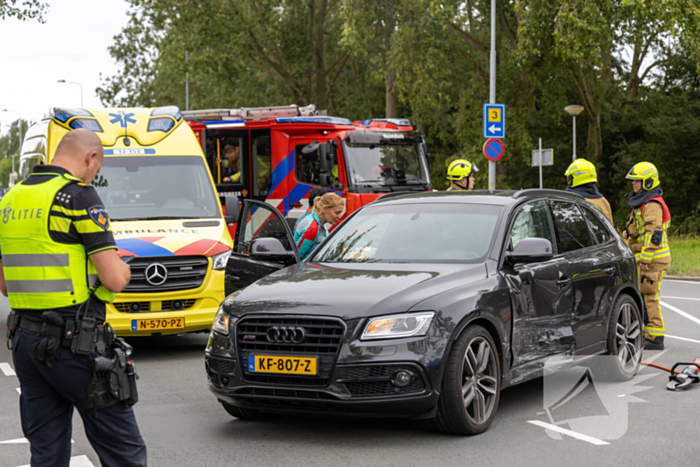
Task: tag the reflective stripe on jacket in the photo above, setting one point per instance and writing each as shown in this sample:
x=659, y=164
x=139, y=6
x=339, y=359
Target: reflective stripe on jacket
x=41, y=273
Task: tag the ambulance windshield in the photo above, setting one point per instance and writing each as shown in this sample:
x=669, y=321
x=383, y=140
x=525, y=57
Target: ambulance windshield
x=386, y=166
x=156, y=187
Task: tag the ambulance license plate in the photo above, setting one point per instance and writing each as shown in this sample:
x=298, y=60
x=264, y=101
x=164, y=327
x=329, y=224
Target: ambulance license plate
x=283, y=365
x=157, y=324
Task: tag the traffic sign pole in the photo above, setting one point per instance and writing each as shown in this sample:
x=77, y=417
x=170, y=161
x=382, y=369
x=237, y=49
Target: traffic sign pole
x=492, y=86
x=540, y=163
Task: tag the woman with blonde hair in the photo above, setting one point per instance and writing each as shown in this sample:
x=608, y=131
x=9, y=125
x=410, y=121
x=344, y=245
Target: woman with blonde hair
x=311, y=230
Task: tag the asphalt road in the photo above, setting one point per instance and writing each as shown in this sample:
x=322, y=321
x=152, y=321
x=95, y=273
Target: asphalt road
x=638, y=423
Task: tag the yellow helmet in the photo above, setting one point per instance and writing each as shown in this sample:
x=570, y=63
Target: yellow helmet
x=580, y=172
x=647, y=173
x=461, y=168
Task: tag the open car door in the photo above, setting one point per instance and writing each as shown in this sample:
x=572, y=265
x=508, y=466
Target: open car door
x=264, y=243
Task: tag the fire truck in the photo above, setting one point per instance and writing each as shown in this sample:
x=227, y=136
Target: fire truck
x=278, y=154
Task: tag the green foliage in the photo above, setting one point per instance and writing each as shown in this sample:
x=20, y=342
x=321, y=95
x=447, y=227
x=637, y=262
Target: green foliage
x=23, y=9
x=9, y=146
x=631, y=63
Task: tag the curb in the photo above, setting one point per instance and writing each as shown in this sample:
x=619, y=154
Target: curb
x=683, y=278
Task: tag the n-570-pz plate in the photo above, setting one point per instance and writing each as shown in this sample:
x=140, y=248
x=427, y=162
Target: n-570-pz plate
x=157, y=324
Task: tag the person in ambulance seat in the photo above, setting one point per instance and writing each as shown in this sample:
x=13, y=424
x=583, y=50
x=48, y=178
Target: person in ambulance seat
x=581, y=178
x=311, y=231
x=645, y=232
x=460, y=173
x=313, y=194
x=233, y=171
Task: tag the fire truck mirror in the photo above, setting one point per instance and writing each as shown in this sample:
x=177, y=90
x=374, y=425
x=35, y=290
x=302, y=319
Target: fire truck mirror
x=325, y=151
x=326, y=179
x=233, y=209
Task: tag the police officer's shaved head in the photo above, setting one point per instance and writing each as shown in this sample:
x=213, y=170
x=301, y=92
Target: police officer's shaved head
x=81, y=153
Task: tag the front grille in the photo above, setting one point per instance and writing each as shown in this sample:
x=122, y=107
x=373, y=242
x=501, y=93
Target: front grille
x=323, y=337
x=126, y=307
x=184, y=272
x=362, y=381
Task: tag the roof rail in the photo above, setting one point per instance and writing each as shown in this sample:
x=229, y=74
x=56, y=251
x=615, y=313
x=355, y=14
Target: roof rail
x=543, y=191
x=252, y=113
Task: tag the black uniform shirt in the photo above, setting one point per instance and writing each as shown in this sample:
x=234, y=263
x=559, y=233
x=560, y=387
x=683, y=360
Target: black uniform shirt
x=77, y=201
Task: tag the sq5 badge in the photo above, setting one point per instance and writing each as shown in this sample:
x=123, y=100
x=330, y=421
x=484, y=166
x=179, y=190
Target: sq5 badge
x=98, y=214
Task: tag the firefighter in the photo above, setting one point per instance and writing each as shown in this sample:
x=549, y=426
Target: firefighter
x=57, y=248
x=460, y=173
x=646, y=234
x=581, y=178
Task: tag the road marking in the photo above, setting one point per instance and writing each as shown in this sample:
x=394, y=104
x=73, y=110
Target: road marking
x=15, y=441
x=682, y=298
x=680, y=312
x=77, y=461
x=684, y=282
x=19, y=390
x=573, y=434
x=683, y=339
x=7, y=369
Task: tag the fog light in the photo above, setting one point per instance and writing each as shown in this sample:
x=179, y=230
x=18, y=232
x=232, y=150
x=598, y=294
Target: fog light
x=401, y=378
x=135, y=307
x=224, y=380
x=177, y=305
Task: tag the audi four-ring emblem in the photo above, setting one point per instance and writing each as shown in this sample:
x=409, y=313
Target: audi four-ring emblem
x=287, y=335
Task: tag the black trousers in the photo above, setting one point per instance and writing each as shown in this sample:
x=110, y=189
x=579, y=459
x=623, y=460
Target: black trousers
x=49, y=395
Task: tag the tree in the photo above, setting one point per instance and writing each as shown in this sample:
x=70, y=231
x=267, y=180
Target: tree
x=23, y=10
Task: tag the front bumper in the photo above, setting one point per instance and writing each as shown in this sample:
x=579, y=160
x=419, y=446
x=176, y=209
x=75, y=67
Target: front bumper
x=356, y=381
x=200, y=307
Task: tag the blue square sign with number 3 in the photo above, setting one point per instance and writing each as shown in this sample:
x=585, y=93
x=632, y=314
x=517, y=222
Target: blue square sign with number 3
x=494, y=121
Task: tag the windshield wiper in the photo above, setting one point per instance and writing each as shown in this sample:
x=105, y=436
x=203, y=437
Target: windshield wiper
x=154, y=218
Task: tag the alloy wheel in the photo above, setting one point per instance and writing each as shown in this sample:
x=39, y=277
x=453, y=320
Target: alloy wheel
x=628, y=337
x=479, y=380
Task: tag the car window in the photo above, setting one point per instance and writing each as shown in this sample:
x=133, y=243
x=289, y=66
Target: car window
x=532, y=221
x=261, y=222
x=572, y=229
x=308, y=166
x=597, y=226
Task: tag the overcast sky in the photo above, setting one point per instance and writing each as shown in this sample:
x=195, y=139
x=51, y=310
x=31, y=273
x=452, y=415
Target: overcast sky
x=71, y=45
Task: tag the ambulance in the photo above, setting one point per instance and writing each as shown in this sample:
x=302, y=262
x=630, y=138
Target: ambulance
x=164, y=210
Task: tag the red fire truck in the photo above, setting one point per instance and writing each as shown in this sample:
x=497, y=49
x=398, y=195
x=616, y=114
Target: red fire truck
x=278, y=154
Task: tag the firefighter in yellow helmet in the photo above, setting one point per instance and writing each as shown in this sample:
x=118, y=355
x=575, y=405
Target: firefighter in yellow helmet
x=646, y=235
x=581, y=178
x=460, y=173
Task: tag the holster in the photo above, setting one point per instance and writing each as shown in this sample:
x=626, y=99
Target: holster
x=12, y=325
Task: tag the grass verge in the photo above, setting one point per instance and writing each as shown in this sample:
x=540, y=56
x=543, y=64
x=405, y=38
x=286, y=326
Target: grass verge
x=685, y=255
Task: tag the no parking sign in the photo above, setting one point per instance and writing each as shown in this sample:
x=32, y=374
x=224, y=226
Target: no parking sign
x=493, y=149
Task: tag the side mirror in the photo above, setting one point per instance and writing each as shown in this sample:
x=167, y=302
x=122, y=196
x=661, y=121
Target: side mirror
x=233, y=209
x=269, y=248
x=326, y=179
x=324, y=152
x=530, y=250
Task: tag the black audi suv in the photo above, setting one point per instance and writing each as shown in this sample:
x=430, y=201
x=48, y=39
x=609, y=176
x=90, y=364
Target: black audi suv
x=423, y=306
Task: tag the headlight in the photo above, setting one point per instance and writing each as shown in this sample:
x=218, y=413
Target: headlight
x=221, y=322
x=218, y=262
x=390, y=327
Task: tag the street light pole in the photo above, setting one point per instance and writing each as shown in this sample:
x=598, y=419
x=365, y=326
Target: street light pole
x=73, y=82
x=574, y=110
x=492, y=86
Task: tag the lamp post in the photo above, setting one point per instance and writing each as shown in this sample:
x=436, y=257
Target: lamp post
x=574, y=110
x=73, y=82
x=19, y=126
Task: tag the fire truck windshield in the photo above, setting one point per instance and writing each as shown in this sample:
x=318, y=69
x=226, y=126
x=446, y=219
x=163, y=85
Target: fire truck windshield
x=386, y=165
x=156, y=187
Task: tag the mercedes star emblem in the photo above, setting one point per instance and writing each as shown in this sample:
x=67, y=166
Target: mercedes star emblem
x=156, y=274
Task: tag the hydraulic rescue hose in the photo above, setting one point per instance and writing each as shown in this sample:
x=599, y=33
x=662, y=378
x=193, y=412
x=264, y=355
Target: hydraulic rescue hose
x=659, y=366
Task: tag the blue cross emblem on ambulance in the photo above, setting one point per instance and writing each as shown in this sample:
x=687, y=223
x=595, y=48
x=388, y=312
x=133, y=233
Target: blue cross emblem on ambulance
x=122, y=118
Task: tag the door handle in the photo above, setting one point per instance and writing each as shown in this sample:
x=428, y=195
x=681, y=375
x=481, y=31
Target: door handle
x=563, y=282
x=610, y=270
x=296, y=205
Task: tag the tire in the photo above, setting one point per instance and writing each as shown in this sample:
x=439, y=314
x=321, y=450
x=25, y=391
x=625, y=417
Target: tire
x=625, y=340
x=456, y=415
x=241, y=413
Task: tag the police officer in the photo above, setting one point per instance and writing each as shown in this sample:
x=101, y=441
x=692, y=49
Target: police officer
x=55, y=243
x=581, y=178
x=460, y=173
x=646, y=235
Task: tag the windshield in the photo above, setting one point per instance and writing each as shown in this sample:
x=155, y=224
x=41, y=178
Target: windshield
x=413, y=233
x=156, y=187
x=386, y=164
